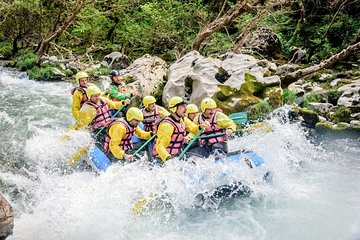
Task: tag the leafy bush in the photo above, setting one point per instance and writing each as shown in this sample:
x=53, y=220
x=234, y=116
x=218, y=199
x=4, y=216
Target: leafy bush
x=41, y=73
x=288, y=96
x=5, y=49
x=27, y=61
x=260, y=110
x=310, y=98
x=342, y=114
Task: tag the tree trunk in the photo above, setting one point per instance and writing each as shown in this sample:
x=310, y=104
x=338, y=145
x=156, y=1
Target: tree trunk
x=44, y=44
x=294, y=76
x=218, y=23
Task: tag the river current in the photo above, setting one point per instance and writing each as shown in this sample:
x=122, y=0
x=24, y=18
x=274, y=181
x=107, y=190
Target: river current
x=314, y=194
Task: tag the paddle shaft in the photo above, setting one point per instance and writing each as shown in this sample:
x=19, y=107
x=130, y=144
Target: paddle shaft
x=191, y=143
x=144, y=145
x=217, y=135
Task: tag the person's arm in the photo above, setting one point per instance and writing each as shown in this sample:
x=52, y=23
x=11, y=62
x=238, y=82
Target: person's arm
x=142, y=134
x=114, y=93
x=76, y=104
x=163, y=112
x=225, y=122
x=191, y=126
x=164, y=134
x=117, y=132
x=113, y=104
x=86, y=114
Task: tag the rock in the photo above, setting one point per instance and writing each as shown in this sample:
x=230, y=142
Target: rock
x=287, y=68
x=350, y=96
x=355, y=116
x=354, y=123
x=117, y=60
x=311, y=118
x=322, y=120
x=194, y=73
x=6, y=218
x=145, y=75
x=57, y=73
x=335, y=82
x=323, y=108
x=235, y=81
x=265, y=42
x=274, y=96
x=324, y=77
x=299, y=56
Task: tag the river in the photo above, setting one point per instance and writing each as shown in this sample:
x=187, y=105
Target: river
x=314, y=194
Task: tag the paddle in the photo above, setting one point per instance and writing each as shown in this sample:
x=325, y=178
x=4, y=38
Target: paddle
x=144, y=145
x=191, y=143
x=77, y=155
x=239, y=118
x=218, y=135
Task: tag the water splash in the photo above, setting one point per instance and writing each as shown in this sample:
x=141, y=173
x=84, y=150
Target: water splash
x=314, y=193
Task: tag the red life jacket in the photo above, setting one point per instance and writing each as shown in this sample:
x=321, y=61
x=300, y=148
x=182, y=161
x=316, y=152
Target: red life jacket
x=177, y=138
x=213, y=129
x=126, y=142
x=83, y=91
x=102, y=118
x=150, y=125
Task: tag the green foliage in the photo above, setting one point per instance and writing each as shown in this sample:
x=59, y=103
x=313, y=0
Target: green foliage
x=288, y=96
x=342, y=114
x=27, y=61
x=5, y=48
x=310, y=98
x=41, y=73
x=260, y=110
x=103, y=71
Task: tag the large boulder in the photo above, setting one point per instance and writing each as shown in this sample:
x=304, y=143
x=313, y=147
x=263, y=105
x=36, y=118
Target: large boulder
x=6, y=218
x=235, y=81
x=350, y=96
x=264, y=42
x=145, y=75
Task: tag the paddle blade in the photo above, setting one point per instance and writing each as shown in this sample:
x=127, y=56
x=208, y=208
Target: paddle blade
x=76, y=156
x=239, y=118
x=140, y=206
x=98, y=160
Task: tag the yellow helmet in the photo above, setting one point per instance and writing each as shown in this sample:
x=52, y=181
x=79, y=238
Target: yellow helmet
x=134, y=113
x=148, y=100
x=92, y=90
x=174, y=102
x=191, y=108
x=81, y=75
x=208, y=103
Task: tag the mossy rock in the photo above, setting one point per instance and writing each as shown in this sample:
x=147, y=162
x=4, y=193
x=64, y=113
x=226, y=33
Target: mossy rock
x=260, y=110
x=328, y=127
x=342, y=114
x=311, y=118
x=251, y=85
x=275, y=96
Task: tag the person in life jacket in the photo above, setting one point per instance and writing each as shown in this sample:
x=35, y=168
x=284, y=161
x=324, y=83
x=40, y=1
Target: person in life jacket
x=191, y=112
x=171, y=131
x=152, y=113
x=117, y=90
x=94, y=113
x=79, y=93
x=118, y=140
x=218, y=123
